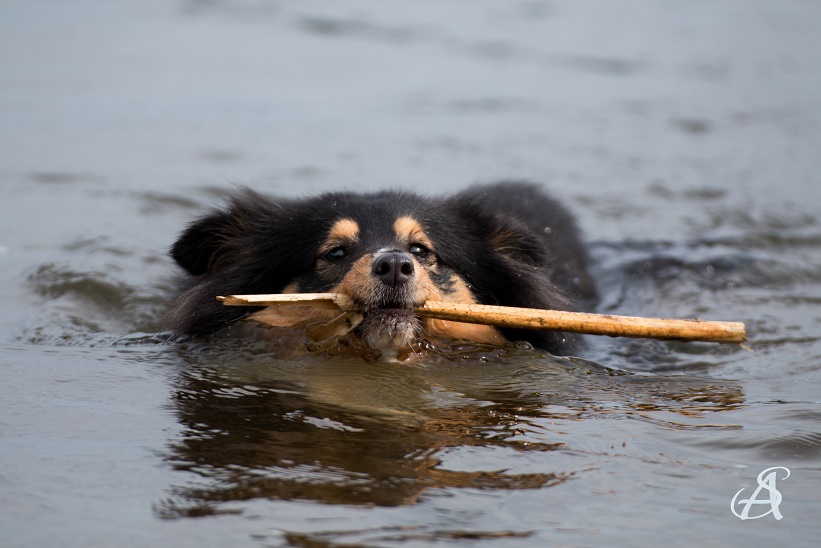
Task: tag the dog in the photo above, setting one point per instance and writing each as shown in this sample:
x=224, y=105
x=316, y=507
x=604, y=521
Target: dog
x=506, y=244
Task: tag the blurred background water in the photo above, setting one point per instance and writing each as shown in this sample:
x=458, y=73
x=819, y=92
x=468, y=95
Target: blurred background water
x=685, y=136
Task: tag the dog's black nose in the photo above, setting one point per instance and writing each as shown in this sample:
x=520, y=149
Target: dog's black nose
x=393, y=269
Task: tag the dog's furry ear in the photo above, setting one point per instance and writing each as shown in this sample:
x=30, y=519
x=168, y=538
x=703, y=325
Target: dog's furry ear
x=205, y=241
x=201, y=241
x=512, y=239
x=502, y=233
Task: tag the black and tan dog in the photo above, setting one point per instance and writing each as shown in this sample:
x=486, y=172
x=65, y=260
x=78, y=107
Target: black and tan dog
x=506, y=244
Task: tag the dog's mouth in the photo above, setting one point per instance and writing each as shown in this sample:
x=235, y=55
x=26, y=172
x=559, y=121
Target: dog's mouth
x=388, y=307
x=389, y=325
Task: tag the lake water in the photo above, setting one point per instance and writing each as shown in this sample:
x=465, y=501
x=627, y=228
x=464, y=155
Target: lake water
x=686, y=137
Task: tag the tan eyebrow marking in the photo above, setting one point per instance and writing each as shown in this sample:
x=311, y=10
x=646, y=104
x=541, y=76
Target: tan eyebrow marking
x=343, y=231
x=409, y=230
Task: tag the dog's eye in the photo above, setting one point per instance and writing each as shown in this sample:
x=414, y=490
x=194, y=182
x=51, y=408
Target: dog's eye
x=336, y=253
x=419, y=250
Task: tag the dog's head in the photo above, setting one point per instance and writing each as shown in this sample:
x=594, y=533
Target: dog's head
x=384, y=257
x=389, y=252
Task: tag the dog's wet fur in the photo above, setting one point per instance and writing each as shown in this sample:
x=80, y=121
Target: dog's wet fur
x=506, y=244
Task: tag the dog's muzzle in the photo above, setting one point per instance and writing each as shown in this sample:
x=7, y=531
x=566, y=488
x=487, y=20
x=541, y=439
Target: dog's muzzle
x=389, y=320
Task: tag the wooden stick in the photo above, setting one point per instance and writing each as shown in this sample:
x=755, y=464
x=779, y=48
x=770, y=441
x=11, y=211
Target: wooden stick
x=528, y=318
x=591, y=324
x=326, y=301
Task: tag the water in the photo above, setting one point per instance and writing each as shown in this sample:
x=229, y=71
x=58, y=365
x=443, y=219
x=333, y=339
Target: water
x=685, y=137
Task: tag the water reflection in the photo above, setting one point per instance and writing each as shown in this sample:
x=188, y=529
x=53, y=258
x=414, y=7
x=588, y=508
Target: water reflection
x=340, y=430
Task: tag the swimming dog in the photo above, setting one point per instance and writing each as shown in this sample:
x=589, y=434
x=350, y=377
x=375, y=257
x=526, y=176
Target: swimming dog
x=506, y=244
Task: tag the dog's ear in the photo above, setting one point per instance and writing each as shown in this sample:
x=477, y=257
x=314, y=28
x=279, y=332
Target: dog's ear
x=502, y=233
x=512, y=239
x=205, y=241
x=201, y=242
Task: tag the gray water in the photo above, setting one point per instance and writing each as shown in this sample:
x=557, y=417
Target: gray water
x=685, y=135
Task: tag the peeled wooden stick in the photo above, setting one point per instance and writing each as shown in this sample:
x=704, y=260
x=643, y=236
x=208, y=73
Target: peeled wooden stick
x=326, y=301
x=528, y=318
x=592, y=324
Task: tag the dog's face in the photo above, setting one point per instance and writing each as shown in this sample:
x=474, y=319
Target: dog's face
x=381, y=250
x=387, y=263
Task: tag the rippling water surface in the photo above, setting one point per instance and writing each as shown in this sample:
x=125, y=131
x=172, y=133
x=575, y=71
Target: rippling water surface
x=685, y=137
